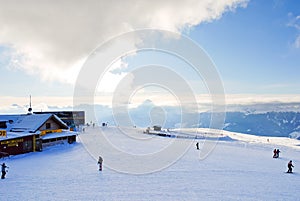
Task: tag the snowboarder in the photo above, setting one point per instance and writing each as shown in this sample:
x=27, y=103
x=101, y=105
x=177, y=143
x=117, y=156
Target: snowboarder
x=290, y=166
x=3, y=169
x=197, y=145
x=100, y=161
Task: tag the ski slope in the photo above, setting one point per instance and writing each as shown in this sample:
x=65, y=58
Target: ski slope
x=237, y=169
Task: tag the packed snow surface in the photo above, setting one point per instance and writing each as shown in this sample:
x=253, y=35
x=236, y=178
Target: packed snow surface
x=239, y=168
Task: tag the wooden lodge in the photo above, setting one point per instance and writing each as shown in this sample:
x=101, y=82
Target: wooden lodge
x=22, y=144
x=28, y=133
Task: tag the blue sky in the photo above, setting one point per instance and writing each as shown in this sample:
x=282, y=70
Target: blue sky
x=253, y=46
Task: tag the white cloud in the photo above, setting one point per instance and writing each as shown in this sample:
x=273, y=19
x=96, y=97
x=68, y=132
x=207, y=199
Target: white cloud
x=110, y=80
x=52, y=39
x=39, y=103
x=295, y=22
x=234, y=102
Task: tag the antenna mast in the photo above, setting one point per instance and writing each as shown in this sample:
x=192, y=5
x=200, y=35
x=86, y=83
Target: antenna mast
x=30, y=108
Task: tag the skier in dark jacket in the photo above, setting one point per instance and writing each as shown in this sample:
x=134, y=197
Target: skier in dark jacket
x=290, y=166
x=3, y=170
x=197, y=145
x=100, y=161
x=277, y=153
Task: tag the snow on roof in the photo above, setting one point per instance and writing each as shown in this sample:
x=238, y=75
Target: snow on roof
x=60, y=121
x=9, y=119
x=28, y=123
x=56, y=135
x=12, y=135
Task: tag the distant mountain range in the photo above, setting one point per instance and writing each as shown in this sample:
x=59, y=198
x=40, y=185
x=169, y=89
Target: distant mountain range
x=264, y=119
x=277, y=123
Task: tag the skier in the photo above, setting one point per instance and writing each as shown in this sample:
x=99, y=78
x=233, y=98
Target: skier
x=277, y=153
x=100, y=161
x=3, y=168
x=197, y=145
x=290, y=166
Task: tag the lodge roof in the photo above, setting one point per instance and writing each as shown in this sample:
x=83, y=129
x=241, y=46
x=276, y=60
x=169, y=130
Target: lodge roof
x=29, y=123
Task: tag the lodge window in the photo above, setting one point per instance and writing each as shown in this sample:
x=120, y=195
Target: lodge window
x=48, y=125
x=27, y=146
x=3, y=124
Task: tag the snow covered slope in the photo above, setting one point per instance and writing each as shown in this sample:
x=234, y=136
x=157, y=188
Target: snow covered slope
x=240, y=169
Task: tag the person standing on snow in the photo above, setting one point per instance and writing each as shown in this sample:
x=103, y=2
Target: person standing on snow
x=197, y=145
x=290, y=166
x=100, y=161
x=3, y=170
x=277, y=153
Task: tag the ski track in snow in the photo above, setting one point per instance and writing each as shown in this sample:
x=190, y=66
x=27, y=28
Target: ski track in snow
x=234, y=170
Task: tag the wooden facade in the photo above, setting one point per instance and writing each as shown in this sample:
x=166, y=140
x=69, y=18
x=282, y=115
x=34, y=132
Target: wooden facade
x=20, y=145
x=30, y=143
